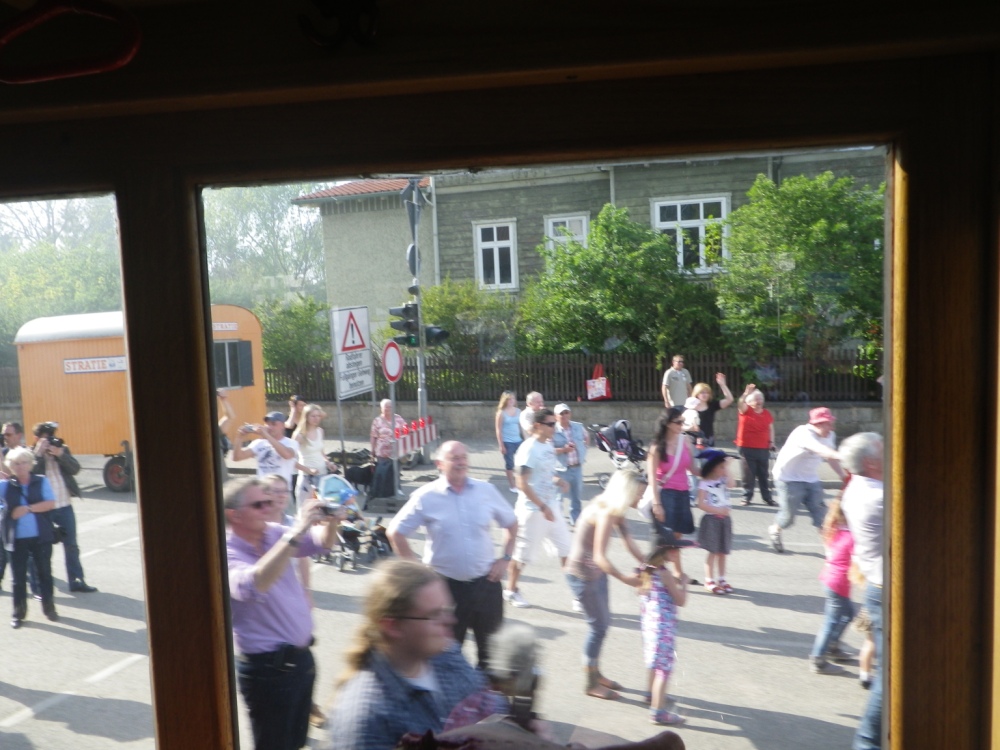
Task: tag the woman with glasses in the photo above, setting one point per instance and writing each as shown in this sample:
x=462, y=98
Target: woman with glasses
x=26, y=530
x=405, y=672
x=670, y=461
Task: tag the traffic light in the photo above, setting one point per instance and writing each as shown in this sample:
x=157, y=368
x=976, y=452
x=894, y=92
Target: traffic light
x=434, y=335
x=408, y=325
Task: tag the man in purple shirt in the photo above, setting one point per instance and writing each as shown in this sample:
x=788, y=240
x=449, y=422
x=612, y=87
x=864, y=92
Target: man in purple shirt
x=272, y=621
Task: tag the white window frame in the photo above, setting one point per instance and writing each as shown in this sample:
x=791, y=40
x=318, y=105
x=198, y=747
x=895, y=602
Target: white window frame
x=479, y=246
x=553, y=238
x=661, y=226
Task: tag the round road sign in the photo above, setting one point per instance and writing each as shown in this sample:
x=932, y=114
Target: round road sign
x=392, y=361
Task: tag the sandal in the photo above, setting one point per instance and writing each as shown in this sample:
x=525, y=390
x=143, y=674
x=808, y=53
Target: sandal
x=663, y=716
x=599, y=691
x=726, y=588
x=608, y=683
x=714, y=587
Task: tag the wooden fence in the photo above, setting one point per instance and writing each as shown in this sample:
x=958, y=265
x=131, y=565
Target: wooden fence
x=563, y=377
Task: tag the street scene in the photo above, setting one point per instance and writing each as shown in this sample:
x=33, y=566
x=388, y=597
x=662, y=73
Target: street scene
x=741, y=679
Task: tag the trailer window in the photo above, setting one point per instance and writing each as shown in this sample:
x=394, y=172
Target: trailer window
x=233, y=364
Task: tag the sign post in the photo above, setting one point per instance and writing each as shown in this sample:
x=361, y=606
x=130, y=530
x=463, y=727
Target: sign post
x=392, y=368
x=352, y=357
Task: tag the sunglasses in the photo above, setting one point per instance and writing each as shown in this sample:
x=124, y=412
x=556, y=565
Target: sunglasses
x=676, y=421
x=437, y=615
x=260, y=504
x=548, y=424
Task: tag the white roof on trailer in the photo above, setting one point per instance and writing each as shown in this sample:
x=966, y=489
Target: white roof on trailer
x=70, y=327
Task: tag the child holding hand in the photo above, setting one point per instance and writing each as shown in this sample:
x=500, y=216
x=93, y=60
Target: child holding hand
x=715, y=531
x=660, y=594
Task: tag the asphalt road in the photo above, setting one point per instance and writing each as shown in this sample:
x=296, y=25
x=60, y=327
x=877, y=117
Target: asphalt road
x=742, y=678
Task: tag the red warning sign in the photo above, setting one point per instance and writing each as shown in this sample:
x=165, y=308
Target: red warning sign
x=353, y=338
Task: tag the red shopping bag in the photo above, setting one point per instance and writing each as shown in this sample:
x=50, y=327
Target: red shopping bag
x=598, y=387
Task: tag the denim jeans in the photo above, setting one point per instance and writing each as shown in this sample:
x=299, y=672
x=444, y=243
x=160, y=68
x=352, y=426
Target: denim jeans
x=869, y=735
x=593, y=595
x=574, y=478
x=65, y=519
x=792, y=494
x=839, y=613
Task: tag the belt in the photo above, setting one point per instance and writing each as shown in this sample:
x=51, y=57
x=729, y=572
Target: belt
x=284, y=658
x=470, y=581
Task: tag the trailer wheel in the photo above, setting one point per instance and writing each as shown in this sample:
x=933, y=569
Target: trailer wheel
x=116, y=476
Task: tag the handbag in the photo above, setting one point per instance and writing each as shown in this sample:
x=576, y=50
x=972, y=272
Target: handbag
x=645, y=506
x=598, y=387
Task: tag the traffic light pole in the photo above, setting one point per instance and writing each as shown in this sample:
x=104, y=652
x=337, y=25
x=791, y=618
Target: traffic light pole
x=421, y=365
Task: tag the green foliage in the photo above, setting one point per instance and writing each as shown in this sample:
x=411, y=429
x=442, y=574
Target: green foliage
x=805, y=266
x=621, y=291
x=295, y=333
x=261, y=246
x=480, y=322
x=56, y=258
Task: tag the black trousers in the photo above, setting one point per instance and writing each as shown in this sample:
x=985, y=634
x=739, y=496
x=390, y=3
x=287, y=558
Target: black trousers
x=278, y=688
x=41, y=553
x=757, y=472
x=479, y=606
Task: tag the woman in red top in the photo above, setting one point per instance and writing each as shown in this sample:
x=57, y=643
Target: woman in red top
x=755, y=438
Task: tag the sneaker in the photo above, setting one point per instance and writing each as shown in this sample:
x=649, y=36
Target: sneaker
x=819, y=665
x=665, y=717
x=514, y=599
x=865, y=682
x=578, y=607
x=775, y=533
x=513, y=489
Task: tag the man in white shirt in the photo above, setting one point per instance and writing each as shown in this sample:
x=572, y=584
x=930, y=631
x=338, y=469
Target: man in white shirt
x=677, y=382
x=796, y=472
x=532, y=403
x=274, y=452
x=539, y=502
x=457, y=512
x=862, y=504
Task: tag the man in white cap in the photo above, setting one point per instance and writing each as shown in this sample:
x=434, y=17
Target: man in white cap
x=796, y=472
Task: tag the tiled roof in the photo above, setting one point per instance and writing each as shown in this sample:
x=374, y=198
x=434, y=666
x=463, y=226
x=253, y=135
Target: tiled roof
x=359, y=187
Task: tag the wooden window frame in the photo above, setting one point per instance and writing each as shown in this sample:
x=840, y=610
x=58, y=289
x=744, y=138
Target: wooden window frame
x=924, y=85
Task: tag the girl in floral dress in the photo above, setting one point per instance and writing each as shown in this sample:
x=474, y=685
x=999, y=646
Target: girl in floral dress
x=660, y=594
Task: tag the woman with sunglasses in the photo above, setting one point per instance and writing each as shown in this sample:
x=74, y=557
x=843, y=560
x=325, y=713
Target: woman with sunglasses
x=670, y=461
x=405, y=672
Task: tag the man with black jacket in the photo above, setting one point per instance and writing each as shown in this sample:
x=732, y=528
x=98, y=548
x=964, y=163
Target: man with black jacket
x=54, y=461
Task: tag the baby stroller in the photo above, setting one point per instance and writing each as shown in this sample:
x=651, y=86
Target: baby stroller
x=616, y=440
x=355, y=538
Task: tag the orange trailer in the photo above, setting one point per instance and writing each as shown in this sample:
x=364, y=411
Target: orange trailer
x=73, y=371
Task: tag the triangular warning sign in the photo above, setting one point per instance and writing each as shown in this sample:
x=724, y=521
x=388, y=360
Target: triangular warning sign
x=353, y=339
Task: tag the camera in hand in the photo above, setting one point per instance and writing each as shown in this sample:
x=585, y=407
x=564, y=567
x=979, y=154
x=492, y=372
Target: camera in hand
x=329, y=509
x=47, y=430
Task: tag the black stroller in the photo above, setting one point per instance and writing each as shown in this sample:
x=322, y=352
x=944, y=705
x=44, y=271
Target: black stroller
x=616, y=440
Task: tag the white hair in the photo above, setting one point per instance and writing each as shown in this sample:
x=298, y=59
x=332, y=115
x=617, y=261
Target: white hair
x=385, y=402
x=860, y=449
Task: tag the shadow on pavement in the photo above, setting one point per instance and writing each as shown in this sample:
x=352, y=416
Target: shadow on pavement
x=113, y=718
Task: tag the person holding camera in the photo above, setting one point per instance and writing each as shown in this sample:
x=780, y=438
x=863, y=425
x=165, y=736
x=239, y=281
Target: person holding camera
x=54, y=461
x=275, y=453
x=271, y=617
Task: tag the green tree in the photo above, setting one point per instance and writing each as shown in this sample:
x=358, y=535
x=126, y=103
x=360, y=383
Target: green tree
x=805, y=266
x=295, y=332
x=621, y=290
x=262, y=246
x=56, y=258
x=480, y=323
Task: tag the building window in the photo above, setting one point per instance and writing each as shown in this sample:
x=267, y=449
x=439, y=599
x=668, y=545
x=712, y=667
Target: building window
x=562, y=229
x=496, y=254
x=689, y=222
x=233, y=364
